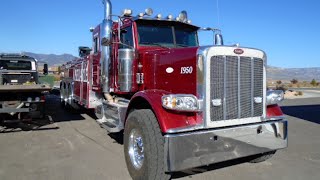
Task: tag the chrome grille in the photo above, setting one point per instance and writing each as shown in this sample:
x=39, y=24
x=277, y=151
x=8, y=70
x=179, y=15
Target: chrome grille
x=236, y=81
x=258, y=86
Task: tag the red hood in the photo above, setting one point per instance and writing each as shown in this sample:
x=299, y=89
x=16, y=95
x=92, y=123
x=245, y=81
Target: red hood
x=162, y=69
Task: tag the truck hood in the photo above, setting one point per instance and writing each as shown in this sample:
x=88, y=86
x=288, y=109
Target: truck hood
x=165, y=69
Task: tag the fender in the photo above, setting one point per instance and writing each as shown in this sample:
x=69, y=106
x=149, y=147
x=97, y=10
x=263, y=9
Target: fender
x=167, y=119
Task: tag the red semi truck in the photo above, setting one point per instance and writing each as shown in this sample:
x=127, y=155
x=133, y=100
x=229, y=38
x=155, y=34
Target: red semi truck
x=179, y=105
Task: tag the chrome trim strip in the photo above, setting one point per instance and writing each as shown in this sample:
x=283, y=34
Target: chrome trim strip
x=224, y=88
x=180, y=130
x=264, y=58
x=202, y=93
x=239, y=94
x=273, y=118
x=252, y=86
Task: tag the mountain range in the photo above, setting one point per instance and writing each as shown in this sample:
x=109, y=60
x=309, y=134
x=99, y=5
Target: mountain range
x=51, y=59
x=273, y=73
x=287, y=74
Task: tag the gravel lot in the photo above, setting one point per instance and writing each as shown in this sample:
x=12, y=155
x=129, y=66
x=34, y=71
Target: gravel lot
x=75, y=148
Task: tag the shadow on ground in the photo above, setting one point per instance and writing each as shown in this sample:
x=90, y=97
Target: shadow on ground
x=212, y=167
x=309, y=113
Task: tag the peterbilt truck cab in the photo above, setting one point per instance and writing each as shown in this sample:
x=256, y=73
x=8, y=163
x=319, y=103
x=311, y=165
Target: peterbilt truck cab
x=179, y=105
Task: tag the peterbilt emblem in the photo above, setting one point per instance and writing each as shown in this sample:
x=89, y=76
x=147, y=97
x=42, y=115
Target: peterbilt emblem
x=216, y=102
x=258, y=100
x=238, y=51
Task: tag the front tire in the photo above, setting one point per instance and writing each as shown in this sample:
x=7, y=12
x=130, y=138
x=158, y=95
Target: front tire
x=144, y=146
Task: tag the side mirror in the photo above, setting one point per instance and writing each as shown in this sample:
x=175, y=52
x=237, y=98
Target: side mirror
x=45, y=69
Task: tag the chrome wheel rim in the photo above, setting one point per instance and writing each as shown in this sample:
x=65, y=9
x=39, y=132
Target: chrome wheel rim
x=136, y=149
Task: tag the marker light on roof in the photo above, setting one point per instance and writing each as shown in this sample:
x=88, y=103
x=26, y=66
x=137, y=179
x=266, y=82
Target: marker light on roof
x=127, y=12
x=149, y=12
x=159, y=16
x=183, y=16
x=141, y=15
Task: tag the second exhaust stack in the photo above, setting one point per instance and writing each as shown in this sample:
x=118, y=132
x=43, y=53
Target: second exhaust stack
x=105, y=42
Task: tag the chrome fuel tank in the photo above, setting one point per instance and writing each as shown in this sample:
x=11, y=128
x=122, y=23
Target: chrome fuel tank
x=125, y=69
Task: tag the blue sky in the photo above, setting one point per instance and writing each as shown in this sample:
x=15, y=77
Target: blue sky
x=288, y=30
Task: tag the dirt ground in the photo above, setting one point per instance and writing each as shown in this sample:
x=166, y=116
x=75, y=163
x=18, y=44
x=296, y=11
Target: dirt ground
x=74, y=147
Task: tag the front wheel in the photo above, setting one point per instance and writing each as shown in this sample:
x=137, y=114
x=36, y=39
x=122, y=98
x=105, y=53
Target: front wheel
x=144, y=146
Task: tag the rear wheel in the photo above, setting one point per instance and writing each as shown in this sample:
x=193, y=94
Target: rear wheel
x=62, y=95
x=263, y=157
x=144, y=146
x=68, y=99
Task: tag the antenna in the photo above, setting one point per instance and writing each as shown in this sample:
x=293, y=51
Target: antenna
x=218, y=13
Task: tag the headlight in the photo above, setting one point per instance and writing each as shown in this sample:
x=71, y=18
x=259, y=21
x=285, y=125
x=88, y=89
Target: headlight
x=274, y=97
x=180, y=102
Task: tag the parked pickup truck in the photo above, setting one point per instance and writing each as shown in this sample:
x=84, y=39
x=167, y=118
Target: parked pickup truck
x=21, y=94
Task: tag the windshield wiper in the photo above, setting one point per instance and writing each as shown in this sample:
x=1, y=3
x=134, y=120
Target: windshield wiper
x=182, y=45
x=156, y=44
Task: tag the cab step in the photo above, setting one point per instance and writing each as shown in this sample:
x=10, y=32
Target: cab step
x=112, y=115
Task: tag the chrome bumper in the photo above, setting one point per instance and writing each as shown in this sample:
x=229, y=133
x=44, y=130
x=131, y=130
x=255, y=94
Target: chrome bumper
x=189, y=150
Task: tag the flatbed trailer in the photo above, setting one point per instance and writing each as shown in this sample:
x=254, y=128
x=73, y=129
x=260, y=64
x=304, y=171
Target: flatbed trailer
x=22, y=96
x=25, y=88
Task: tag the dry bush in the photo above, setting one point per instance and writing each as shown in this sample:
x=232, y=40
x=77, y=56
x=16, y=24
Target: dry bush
x=298, y=93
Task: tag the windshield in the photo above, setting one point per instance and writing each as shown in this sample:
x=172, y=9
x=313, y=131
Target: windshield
x=15, y=65
x=168, y=35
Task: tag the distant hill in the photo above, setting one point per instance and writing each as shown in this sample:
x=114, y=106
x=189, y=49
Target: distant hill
x=301, y=74
x=51, y=59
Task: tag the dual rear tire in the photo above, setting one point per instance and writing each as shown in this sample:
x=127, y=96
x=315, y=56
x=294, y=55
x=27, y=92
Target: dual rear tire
x=66, y=96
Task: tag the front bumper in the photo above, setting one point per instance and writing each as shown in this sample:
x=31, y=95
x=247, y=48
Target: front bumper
x=194, y=149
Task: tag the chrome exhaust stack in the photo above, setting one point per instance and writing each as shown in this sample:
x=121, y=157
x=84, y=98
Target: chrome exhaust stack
x=106, y=49
x=218, y=39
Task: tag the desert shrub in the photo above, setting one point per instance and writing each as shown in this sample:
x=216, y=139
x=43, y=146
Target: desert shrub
x=279, y=82
x=294, y=81
x=298, y=93
x=57, y=78
x=313, y=82
x=282, y=87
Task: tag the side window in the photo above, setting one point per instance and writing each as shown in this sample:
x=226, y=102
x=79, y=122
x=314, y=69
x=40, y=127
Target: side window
x=126, y=37
x=95, y=44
